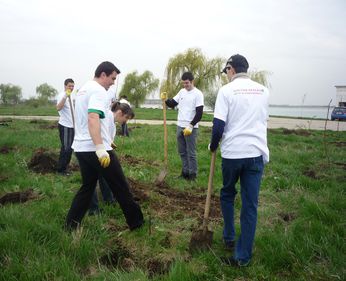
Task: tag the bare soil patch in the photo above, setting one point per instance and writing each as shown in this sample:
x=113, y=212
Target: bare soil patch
x=43, y=161
x=136, y=161
x=299, y=132
x=173, y=201
x=18, y=197
x=5, y=149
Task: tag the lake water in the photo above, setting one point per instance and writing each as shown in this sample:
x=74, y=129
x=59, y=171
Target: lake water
x=291, y=111
x=300, y=111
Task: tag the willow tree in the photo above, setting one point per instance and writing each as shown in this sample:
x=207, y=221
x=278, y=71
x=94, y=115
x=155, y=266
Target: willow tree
x=206, y=72
x=136, y=87
x=10, y=94
x=46, y=92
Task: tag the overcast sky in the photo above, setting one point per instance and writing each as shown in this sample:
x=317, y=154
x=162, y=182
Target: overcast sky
x=302, y=42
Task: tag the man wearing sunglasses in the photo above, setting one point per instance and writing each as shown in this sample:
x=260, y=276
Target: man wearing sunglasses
x=240, y=122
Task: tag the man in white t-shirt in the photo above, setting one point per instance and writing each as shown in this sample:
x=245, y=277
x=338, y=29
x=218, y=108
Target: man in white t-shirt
x=190, y=102
x=240, y=122
x=92, y=147
x=65, y=125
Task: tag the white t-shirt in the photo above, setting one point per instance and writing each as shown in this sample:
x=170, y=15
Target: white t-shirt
x=111, y=124
x=243, y=105
x=92, y=97
x=187, y=103
x=111, y=95
x=65, y=117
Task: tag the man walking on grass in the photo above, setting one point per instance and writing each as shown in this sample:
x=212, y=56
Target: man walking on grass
x=240, y=122
x=92, y=146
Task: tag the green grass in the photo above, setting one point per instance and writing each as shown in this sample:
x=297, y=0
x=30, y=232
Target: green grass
x=300, y=233
x=50, y=110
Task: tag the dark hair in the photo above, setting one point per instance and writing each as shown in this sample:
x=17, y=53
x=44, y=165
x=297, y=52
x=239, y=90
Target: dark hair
x=106, y=67
x=123, y=97
x=68, y=80
x=125, y=109
x=187, y=76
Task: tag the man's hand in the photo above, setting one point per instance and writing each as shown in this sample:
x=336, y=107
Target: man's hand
x=102, y=155
x=188, y=131
x=68, y=93
x=113, y=145
x=163, y=95
x=211, y=149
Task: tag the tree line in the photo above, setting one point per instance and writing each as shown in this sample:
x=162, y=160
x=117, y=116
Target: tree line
x=137, y=87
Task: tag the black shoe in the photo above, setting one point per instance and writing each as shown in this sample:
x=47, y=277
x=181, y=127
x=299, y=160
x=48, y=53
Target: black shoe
x=63, y=173
x=96, y=212
x=136, y=226
x=229, y=245
x=192, y=177
x=184, y=176
x=233, y=262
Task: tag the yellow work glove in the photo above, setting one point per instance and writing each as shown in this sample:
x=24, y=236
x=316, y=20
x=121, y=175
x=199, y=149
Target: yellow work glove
x=113, y=145
x=102, y=155
x=68, y=93
x=188, y=131
x=163, y=95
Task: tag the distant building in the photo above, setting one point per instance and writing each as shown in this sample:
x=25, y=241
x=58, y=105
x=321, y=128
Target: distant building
x=340, y=96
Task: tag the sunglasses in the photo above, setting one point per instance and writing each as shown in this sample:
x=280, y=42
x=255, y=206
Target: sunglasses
x=225, y=69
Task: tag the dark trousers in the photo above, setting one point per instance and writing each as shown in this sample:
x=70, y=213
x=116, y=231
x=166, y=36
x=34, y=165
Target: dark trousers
x=91, y=170
x=66, y=138
x=107, y=196
x=124, y=130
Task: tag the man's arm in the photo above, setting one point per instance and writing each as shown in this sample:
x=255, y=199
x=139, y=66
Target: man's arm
x=61, y=103
x=218, y=128
x=198, y=115
x=94, y=127
x=171, y=103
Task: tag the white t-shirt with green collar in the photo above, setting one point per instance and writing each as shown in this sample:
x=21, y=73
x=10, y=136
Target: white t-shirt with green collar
x=92, y=97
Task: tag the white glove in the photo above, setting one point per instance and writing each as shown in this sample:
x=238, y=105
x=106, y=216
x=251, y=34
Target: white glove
x=102, y=155
x=188, y=131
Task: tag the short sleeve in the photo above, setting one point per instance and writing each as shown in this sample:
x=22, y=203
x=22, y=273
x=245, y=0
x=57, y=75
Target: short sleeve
x=221, y=106
x=199, y=99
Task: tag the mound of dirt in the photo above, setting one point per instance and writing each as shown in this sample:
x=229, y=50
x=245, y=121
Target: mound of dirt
x=18, y=196
x=5, y=149
x=43, y=161
x=135, y=161
x=298, y=132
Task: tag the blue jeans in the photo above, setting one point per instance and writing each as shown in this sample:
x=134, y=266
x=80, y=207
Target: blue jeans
x=249, y=171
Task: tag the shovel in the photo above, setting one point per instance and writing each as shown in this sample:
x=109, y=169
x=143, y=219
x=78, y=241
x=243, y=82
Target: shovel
x=71, y=107
x=161, y=178
x=203, y=238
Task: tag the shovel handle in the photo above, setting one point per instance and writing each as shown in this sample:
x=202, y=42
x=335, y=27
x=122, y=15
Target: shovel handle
x=165, y=149
x=71, y=108
x=210, y=188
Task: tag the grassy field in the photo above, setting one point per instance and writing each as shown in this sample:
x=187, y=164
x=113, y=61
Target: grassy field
x=50, y=110
x=301, y=224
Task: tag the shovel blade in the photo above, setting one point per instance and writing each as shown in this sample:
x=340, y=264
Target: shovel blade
x=201, y=240
x=161, y=178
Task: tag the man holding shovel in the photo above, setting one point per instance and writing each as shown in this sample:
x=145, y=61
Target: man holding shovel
x=190, y=103
x=240, y=122
x=65, y=125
